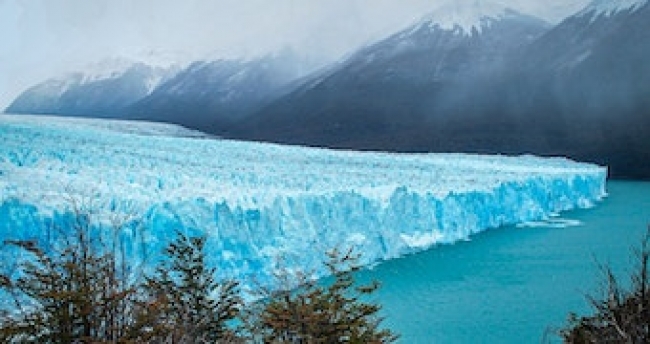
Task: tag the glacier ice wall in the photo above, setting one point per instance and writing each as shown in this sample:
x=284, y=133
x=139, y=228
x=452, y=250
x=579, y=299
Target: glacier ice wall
x=261, y=203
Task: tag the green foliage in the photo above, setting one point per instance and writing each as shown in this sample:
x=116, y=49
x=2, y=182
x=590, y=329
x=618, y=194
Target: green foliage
x=324, y=314
x=621, y=315
x=80, y=294
x=76, y=294
x=186, y=304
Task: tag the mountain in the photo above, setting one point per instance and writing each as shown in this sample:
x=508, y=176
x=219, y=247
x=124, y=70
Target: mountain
x=103, y=90
x=584, y=87
x=390, y=94
x=207, y=95
x=211, y=95
x=609, y=7
x=471, y=77
x=486, y=79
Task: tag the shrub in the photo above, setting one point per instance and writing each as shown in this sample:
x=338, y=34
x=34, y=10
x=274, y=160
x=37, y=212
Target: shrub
x=74, y=294
x=80, y=294
x=313, y=313
x=621, y=315
x=185, y=302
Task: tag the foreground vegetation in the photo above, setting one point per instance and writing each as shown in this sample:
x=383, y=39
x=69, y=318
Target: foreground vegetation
x=84, y=292
x=621, y=315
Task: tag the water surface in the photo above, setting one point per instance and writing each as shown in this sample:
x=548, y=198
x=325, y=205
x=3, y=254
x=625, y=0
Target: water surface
x=513, y=284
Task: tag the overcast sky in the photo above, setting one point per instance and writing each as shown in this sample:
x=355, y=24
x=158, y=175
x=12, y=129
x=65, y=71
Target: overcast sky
x=44, y=38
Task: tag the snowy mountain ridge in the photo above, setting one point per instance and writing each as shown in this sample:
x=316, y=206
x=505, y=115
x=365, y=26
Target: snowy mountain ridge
x=467, y=17
x=105, y=69
x=113, y=68
x=610, y=7
x=100, y=89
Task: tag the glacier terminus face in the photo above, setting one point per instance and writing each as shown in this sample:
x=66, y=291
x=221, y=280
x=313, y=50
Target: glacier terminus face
x=264, y=205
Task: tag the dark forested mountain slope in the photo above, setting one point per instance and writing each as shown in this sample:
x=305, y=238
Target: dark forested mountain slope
x=585, y=88
x=403, y=92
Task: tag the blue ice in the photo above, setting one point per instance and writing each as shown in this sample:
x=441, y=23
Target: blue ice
x=263, y=206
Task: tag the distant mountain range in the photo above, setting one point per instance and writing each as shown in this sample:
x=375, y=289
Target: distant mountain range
x=209, y=95
x=105, y=90
x=470, y=77
x=412, y=91
x=214, y=95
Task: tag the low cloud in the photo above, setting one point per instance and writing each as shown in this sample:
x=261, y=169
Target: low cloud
x=43, y=38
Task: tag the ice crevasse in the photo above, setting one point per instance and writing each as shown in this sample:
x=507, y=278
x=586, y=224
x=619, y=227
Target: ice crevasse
x=264, y=205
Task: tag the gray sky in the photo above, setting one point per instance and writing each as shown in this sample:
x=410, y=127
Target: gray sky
x=44, y=38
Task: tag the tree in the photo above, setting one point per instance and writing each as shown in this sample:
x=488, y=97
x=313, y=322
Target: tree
x=78, y=291
x=73, y=294
x=186, y=304
x=324, y=314
x=621, y=315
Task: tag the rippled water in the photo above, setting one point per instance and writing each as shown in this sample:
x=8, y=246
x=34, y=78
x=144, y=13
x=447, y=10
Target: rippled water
x=514, y=284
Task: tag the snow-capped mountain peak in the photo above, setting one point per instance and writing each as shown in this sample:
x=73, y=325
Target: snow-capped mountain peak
x=100, y=88
x=467, y=16
x=111, y=68
x=610, y=7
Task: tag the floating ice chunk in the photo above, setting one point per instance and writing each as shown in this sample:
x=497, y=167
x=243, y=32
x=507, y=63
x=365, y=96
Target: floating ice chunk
x=550, y=223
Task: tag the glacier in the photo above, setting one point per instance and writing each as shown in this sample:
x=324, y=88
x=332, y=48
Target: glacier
x=265, y=207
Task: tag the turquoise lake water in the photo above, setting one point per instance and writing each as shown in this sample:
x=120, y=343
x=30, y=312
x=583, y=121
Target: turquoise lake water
x=512, y=285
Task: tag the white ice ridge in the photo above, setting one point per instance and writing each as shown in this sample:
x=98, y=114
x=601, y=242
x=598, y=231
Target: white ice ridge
x=258, y=203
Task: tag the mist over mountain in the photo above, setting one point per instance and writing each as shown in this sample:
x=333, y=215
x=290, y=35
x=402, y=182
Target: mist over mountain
x=209, y=95
x=507, y=84
x=212, y=95
x=104, y=90
x=584, y=87
x=469, y=77
x=390, y=95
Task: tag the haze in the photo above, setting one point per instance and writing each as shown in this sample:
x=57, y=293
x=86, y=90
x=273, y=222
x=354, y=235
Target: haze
x=40, y=39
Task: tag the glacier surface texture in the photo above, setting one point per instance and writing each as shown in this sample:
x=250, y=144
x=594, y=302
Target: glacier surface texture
x=262, y=205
